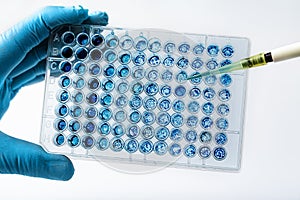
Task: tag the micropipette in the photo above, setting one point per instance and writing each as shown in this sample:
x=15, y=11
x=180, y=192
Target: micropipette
x=276, y=55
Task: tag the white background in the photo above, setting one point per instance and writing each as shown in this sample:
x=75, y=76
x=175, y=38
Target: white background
x=270, y=163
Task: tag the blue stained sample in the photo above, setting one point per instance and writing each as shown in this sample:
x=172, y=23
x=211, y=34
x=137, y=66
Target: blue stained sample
x=89, y=127
x=105, y=114
x=107, y=85
x=177, y=120
x=193, y=107
x=225, y=62
x=160, y=147
x=168, y=61
x=110, y=56
x=224, y=95
x=223, y=109
x=195, y=93
x=63, y=96
x=209, y=94
x=222, y=124
x=164, y=104
x=62, y=110
x=121, y=101
x=151, y=88
x=167, y=76
x=135, y=117
x=111, y=40
x=138, y=73
x=163, y=118
x=154, y=61
x=197, y=64
x=92, y=98
x=68, y=37
x=180, y=91
x=220, y=138
x=82, y=39
x=104, y=128
x=147, y=132
x=165, y=90
x=204, y=152
x=152, y=75
x=225, y=80
x=91, y=112
x=64, y=81
x=210, y=80
x=59, y=139
x=220, y=153
x=117, y=144
x=133, y=131
x=77, y=97
x=198, y=49
x=213, y=50
x=140, y=43
x=126, y=42
x=60, y=124
x=95, y=69
x=182, y=63
x=176, y=134
x=125, y=57
x=76, y=111
x=149, y=103
x=97, y=40
x=135, y=102
x=162, y=133
x=78, y=83
x=67, y=52
x=212, y=64
x=206, y=122
x=118, y=130
x=93, y=84
x=205, y=137
x=123, y=71
x=88, y=142
x=79, y=68
x=148, y=117
x=146, y=147
x=196, y=81
x=65, y=66
x=192, y=121
x=191, y=136
x=169, y=47
x=184, y=48
x=137, y=88
x=139, y=58
x=109, y=70
x=73, y=140
x=131, y=145
x=106, y=99
x=154, y=45
x=81, y=53
x=103, y=143
x=181, y=77
x=175, y=149
x=208, y=108
x=190, y=151
x=74, y=126
x=122, y=87
x=120, y=116
x=178, y=105
x=227, y=51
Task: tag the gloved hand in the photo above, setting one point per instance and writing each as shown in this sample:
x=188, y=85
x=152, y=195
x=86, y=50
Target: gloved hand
x=23, y=50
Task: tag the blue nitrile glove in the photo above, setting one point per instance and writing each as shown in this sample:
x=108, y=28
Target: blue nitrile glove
x=23, y=51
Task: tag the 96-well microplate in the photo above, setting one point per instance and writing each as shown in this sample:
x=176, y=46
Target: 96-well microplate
x=122, y=94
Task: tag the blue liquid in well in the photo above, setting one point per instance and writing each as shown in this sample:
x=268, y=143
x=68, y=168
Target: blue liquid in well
x=77, y=97
x=180, y=91
x=73, y=140
x=97, y=40
x=107, y=85
x=106, y=99
x=195, y=81
x=168, y=61
x=208, y=108
x=148, y=117
x=209, y=94
x=178, y=106
x=133, y=131
x=78, y=83
x=160, y=147
x=221, y=138
x=177, y=120
x=60, y=124
x=224, y=95
x=65, y=81
x=164, y=104
x=117, y=144
x=131, y=145
x=213, y=50
x=105, y=114
x=120, y=116
x=193, y=107
x=88, y=142
x=223, y=109
x=227, y=51
x=93, y=84
x=109, y=70
x=154, y=60
x=210, y=80
x=151, y=88
x=149, y=103
x=95, y=69
x=139, y=58
x=91, y=112
x=192, y=121
x=184, y=48
x=147, y=132
x=118, y=130
x=204, y=152
x=198, y=49
x=205, y=137
x=135, y=102
x=219, y=153
x=123, y=71
x=169, y=47
x=103, y=143
x=182, y=63
x=83, y=39
x=64, y=96
x=146, y=147
x=79, y=68
x=206, y=122
x=65, y=66
x=123, y=87
x=121, y=101
x=212, y=64
x=135, y=116
x=181, y=77
x=81, y=53
x=89, y=127
x=74, y=126
x=222, y=124
x=163, y=118
x=152, y=75
x=175, y=149
x=67, y=52
x=59, y=139
x=225, y=80
x=104, y=128
x=92, y=98
x=176, y=134
x=197, y=64
x=167, y=76
x=68, y=37
x=76, y=111
x=125, y=58
x=191, y=136
x=190, y=151
x=137, y=88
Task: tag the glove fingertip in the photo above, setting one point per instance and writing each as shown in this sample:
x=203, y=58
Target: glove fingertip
x=60, y=168
x=98, y=18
